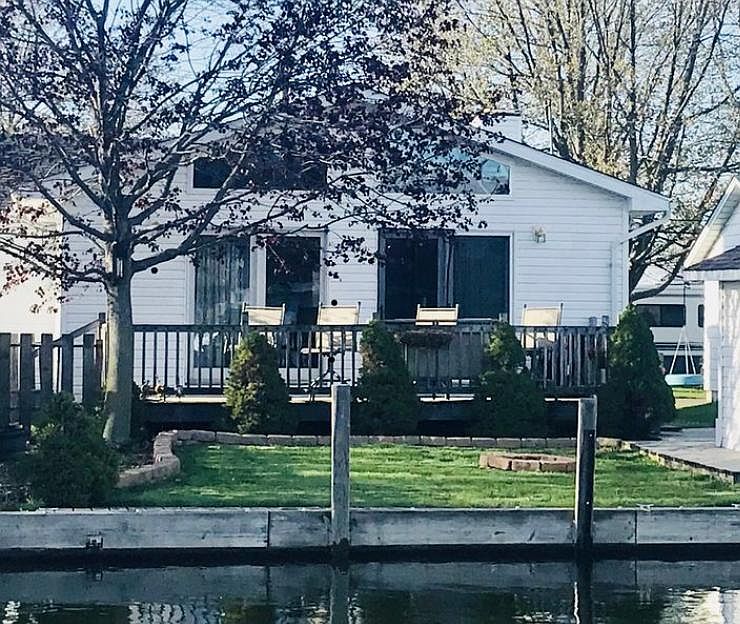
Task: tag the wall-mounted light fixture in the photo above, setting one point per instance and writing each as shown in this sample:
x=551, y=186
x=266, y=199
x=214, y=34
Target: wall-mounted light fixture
x=538, y=234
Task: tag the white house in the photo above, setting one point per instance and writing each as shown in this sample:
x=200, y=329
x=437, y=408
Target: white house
x=557, y=233
x=715, y=259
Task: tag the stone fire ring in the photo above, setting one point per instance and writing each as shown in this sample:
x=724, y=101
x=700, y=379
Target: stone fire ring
x=527, y=462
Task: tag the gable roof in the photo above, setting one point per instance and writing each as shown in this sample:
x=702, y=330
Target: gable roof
x=727, y=261
x=641, y=200
x=712, y=230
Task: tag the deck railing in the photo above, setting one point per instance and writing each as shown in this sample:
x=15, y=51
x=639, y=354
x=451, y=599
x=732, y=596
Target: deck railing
x=196, y=359
x=441, y=359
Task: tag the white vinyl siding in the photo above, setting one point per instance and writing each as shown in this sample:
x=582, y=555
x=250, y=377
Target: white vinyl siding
x=580, y=265
x=728, y=429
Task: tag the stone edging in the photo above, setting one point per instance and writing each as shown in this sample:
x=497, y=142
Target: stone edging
x=166, y=464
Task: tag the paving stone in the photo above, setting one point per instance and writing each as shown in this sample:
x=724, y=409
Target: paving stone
x=458, y=441
x=253, y=439
x=484, y=442
x=305, y=440
x=280, y=440
x=198, y=435
x=533, y=442
x=409, y=439
x=228, y=437
x=560, y=443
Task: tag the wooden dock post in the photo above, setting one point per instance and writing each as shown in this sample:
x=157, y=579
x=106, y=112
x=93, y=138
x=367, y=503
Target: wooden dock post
x=586, y=464
x=339, y=596
x=340, y=425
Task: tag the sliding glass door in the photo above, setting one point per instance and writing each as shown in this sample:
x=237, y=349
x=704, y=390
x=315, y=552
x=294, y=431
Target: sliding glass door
x=294, y=277
x=438, y=269
x=481, y=276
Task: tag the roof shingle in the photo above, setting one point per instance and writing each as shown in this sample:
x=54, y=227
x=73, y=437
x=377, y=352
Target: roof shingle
x=724, y=262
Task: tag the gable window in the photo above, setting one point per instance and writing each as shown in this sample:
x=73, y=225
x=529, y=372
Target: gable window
x=263, y=173
x=664, y=314
x=484, y=176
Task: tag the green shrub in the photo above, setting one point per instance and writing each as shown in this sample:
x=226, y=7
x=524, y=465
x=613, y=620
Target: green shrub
x=256, y=394
x=71, y=466
x=636, y=399
x=507, y=402
x=387, y=398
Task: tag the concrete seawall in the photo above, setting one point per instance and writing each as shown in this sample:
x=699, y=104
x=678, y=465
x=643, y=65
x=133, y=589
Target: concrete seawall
x=108, y=531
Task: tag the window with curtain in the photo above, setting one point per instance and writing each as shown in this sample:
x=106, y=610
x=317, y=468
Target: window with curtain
x=221, y=282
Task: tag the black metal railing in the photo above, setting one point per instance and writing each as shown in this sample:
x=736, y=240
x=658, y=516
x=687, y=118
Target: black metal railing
x=440, y=359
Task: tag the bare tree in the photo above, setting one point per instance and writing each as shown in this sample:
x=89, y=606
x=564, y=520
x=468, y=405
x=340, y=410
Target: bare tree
x=310, y=109
x=647, y=91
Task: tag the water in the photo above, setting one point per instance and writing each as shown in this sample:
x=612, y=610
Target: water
x=628, y=592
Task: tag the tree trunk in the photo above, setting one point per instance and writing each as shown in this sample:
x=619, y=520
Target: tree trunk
x=120, y=363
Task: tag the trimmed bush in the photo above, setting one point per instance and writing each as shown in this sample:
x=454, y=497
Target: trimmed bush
x=387, y=402
x=256, y=394
x=71, y=465
x=636, y=399
x=508, y=403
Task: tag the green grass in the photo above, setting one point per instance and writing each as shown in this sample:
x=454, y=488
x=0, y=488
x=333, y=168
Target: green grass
x=404, y=476
x=693, y=409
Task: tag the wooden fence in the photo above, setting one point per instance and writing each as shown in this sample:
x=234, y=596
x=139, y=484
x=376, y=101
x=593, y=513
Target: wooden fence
x=33, y=369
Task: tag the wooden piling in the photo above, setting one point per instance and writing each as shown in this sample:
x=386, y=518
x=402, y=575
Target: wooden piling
x=340, y=496
x=586, y=463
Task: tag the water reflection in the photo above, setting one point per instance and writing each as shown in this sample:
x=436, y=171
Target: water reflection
x=615, y=592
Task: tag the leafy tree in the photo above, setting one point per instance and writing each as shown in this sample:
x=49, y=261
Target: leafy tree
x=255, y=391
x=507, y=402
x=71, y=466
x=387, y=398
x=636, y=399
x=642, y=90
x=115, y=104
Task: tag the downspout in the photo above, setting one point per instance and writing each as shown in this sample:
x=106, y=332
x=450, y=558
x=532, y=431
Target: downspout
x=618, y=249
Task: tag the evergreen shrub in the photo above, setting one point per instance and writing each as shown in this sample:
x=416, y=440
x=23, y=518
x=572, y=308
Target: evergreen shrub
x=636, y=399
x=507, y=403
x=386, y=398
x=71, y=465
x=256, y=394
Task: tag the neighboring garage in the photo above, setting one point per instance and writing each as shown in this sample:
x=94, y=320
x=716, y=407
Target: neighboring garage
x=724, y=271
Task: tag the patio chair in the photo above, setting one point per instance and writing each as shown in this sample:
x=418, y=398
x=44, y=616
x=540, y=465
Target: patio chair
x=437, y=316
x=262, y=315
x=540, y=317
x=329, y=344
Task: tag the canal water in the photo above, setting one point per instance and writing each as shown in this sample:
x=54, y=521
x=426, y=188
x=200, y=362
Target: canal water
x=629, y=592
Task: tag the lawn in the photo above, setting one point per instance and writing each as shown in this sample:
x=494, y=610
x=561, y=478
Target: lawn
x=406, y=476
x=693, y=409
